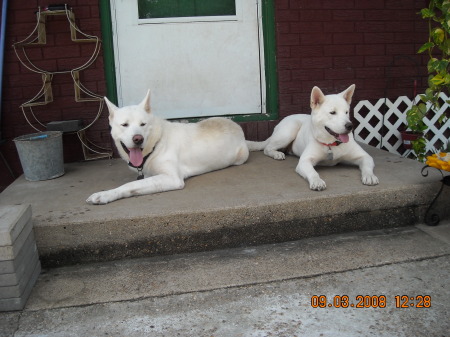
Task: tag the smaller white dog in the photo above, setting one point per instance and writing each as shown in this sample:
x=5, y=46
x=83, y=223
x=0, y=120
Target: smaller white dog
x=322, y=138
x=166, y=153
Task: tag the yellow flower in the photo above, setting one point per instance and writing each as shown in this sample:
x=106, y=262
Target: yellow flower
x=441, y=162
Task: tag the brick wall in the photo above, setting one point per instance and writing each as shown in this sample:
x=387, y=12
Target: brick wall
x=328, y=43
x=334, y=43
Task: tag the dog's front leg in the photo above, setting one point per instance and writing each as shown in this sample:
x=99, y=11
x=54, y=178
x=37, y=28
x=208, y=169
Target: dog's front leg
x=155, y=184
x=306, y=169
x=366, y=165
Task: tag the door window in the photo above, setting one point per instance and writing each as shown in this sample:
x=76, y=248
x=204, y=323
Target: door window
x=156, y=9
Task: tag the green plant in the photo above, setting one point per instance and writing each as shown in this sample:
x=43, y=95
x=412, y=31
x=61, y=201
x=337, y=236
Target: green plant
x=438, y=48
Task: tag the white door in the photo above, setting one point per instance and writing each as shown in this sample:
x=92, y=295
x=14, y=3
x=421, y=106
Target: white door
x=194, y=65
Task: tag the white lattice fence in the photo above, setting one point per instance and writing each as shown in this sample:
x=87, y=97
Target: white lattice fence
x=380, y=124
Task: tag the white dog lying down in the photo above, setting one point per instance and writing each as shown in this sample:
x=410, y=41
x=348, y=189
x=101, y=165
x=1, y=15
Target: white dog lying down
x=322, y=138
x=167, y=153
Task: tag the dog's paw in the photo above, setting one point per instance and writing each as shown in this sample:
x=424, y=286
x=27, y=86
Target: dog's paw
x=317, y=184
x=370, y=179
x=279, y=155
x=99, y=198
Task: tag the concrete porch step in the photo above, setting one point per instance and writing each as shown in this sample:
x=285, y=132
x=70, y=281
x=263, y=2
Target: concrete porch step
x=263, y=201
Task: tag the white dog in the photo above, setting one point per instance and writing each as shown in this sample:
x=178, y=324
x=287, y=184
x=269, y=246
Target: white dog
x=323, y=138
x=167, y=153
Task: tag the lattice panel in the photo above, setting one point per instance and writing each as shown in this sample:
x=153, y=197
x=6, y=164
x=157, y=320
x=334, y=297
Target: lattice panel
x=380, y=124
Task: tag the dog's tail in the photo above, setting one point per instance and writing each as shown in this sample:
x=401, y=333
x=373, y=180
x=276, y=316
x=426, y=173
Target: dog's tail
x=256, y=146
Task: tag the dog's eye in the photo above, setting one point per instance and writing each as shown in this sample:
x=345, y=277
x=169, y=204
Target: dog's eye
x=332, y=112
x=124, y=125
x=143, y=124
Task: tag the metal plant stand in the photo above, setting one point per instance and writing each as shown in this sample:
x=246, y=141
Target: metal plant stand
x=45, y=95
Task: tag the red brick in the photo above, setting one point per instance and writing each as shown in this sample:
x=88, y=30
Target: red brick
x=61, y=52
x=284, y=76
x=347, y=38
x=285, y=99
x=283, y=27
x=315, y=15
x=282, y=4
x=305, y=75
x=287, y=15
x=371, y=26
x=306, y=27
x=95, y=11
x=368, y=73
x=369, y=4
x=339, y=50
x=263, y=130
x=348, y=15
x=82, y=12
x=377, y=61
x=395, y=27
x=400, y=49
x=23, y=5
x=337, y=4
x=348, y=62
x=289, y=87
x=288, y=39
x=250, y=131
x=339, y=27
x=380, y=15
x=292, y=109
x=371, y=49
x=304, y=4
x=289, y=63
x=405, y=37
x=283, y=51
x=307, y=51
x=316, y=62
x=399, y=4
x=409, y=71
x=339, y=74
x=315, y=39
x=379, y=37
x=326, y=86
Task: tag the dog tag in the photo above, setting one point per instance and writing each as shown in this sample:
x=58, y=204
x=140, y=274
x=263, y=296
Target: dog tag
x=140, y=174
x=329, y=154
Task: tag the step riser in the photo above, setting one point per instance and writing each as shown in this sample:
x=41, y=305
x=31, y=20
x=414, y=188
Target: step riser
x=236, y=236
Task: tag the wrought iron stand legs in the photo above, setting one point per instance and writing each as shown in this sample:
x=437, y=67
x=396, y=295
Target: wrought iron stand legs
x=433, y=218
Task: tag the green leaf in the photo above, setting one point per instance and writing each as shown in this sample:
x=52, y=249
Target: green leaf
x=437, y=80
x=423, y=109
x=438, y=35
x=432, y=65
x=426, y=46
x=447, y=79
x=427, y=13
x=429, y=93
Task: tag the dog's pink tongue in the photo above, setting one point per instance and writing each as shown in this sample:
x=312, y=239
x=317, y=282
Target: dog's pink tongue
x=136, y=157
x=344, y=137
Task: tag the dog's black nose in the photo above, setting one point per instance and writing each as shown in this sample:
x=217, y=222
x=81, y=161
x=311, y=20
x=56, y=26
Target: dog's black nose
x=349, y=126
x=138, y=139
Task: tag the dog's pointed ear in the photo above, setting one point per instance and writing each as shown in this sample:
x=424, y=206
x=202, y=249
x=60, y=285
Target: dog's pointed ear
x=348, y=93
x=145, y=104
x=317, y=97
x=111, y=107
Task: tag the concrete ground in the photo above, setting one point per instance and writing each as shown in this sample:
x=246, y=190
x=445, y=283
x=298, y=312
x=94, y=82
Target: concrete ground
x=265, y=290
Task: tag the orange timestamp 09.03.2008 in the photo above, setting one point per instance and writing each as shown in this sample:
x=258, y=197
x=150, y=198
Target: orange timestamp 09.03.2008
x=370, y=301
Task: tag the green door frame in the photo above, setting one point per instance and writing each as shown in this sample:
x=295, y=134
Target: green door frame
x=268, y=22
